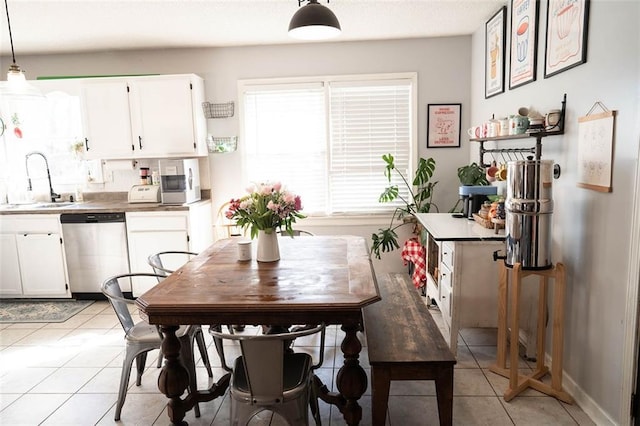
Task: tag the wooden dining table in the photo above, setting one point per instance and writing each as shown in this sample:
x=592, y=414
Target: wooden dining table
x=320, y=279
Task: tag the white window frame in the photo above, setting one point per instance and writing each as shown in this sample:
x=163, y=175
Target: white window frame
x=273, y=83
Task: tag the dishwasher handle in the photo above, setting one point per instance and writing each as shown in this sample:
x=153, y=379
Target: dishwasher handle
x=92, y=217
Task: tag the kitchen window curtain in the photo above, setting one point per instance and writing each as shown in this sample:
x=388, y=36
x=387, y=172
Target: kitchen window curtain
x=325, y=140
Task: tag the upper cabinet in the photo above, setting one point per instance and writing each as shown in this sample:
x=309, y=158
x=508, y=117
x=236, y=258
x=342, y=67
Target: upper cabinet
x=144, y=117
x=106, y=119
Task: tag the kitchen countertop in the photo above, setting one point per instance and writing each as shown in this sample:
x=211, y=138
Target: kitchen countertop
x=444, y=227
x=93, y=206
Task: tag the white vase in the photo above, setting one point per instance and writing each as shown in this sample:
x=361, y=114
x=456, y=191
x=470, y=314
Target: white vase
x=268, y=249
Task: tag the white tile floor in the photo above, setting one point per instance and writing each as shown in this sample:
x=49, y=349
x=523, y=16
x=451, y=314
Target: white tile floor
x=68, y=374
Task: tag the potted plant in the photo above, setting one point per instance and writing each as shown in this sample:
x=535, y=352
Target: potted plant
x=471, y=174
x=420, y=194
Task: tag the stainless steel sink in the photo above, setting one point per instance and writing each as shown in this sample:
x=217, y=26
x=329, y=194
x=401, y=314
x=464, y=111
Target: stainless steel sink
x=53, y=205
x=27, y=206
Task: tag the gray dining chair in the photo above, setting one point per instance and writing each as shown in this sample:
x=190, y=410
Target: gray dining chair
x=142, y=337
x=268, y=376
x=159, y=261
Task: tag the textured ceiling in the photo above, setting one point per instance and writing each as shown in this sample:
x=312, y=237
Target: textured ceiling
x=55, y=26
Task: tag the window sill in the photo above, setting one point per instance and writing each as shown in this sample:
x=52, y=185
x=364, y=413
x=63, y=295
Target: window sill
x=346, y=220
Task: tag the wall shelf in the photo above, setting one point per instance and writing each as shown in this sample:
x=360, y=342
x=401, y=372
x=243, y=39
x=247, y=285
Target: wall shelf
x=536, y=150
x=222, y=110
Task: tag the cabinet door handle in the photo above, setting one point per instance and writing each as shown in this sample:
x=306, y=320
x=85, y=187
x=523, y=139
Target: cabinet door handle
x=86, y=144
x=140, y=141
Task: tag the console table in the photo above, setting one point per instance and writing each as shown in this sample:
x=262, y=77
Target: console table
x=461, y=272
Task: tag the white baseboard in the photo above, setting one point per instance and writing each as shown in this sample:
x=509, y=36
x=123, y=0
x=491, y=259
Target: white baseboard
x=584, y=401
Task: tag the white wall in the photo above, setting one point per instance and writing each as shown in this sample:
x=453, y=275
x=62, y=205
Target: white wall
x=442, y=64
x=591, y=232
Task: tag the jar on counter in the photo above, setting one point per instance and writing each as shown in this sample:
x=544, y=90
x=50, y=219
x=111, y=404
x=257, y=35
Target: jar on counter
x=144, y=176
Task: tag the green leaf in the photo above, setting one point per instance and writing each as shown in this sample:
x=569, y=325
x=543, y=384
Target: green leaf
x=390, y=193
x=388, y=158
x=425, y=170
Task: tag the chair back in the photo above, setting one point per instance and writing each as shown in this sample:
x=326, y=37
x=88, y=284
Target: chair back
x=226, y=228
x=112, y=288
x=165, y=263
x=296, y=233
x=263, y=361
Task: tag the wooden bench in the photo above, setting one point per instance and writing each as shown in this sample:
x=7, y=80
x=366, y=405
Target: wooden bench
x=404, y=343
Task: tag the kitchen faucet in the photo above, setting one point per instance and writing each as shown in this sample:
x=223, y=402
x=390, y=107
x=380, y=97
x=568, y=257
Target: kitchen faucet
x=53, y=195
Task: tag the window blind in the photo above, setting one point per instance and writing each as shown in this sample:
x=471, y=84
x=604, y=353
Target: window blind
x=326, y=141
x=366, y=123
x=285, y=136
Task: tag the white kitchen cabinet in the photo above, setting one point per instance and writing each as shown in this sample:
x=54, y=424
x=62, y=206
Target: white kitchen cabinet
x=11, y=283
x=462, y=276
x=33, y=244
x=107, y=119
x=144, y=117
x=164, y=113
x=153, y=232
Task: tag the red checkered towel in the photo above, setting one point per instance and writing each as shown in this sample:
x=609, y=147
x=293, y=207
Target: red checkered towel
x=414, y=252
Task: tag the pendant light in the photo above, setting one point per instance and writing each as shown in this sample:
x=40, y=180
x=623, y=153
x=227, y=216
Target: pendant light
x=16, y=81
x=314, y=22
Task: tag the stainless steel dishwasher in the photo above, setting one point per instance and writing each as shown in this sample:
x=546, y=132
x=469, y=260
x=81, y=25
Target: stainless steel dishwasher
x=96, y=249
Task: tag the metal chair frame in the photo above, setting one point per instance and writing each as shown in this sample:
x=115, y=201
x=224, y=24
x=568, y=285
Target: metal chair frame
x=142, y=337
x=267, y=376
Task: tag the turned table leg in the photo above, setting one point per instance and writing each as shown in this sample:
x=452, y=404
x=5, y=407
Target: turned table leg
x=174, y=377
x=351, y=380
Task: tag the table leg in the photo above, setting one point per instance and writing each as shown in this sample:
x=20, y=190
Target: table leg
x=515, y=327
x=502, y=318
x=444, y=395
x=174, y=380
x=351, y=379
x=380, y=384
x=174, y=377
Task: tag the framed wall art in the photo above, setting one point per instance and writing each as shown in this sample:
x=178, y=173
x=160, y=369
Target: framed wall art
x=595, y=149
x=443, y=125
x=566, y=42
x=524, y=42
x=494, y=41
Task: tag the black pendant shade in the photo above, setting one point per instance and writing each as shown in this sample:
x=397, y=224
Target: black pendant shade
x=314, y=22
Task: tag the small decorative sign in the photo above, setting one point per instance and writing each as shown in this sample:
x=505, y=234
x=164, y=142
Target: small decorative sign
x=443, y=125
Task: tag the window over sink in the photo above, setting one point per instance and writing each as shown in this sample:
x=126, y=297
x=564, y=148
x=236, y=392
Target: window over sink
x=52, y=125
x=325, y=137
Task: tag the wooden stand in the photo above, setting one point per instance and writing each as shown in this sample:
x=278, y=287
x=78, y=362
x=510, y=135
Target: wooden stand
x=518, y=382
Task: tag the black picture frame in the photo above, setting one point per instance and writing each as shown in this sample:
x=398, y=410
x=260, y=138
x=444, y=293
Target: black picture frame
x=566, y=35
x=444, y=125
x=494, y=55
x=523, y=42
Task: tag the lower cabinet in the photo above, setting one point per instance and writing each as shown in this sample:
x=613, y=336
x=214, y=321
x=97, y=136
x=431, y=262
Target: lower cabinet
x=466, y=279
x=33, y=261
x=153, y=232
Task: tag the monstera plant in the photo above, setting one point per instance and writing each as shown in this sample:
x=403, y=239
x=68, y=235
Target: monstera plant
x=418, y=200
